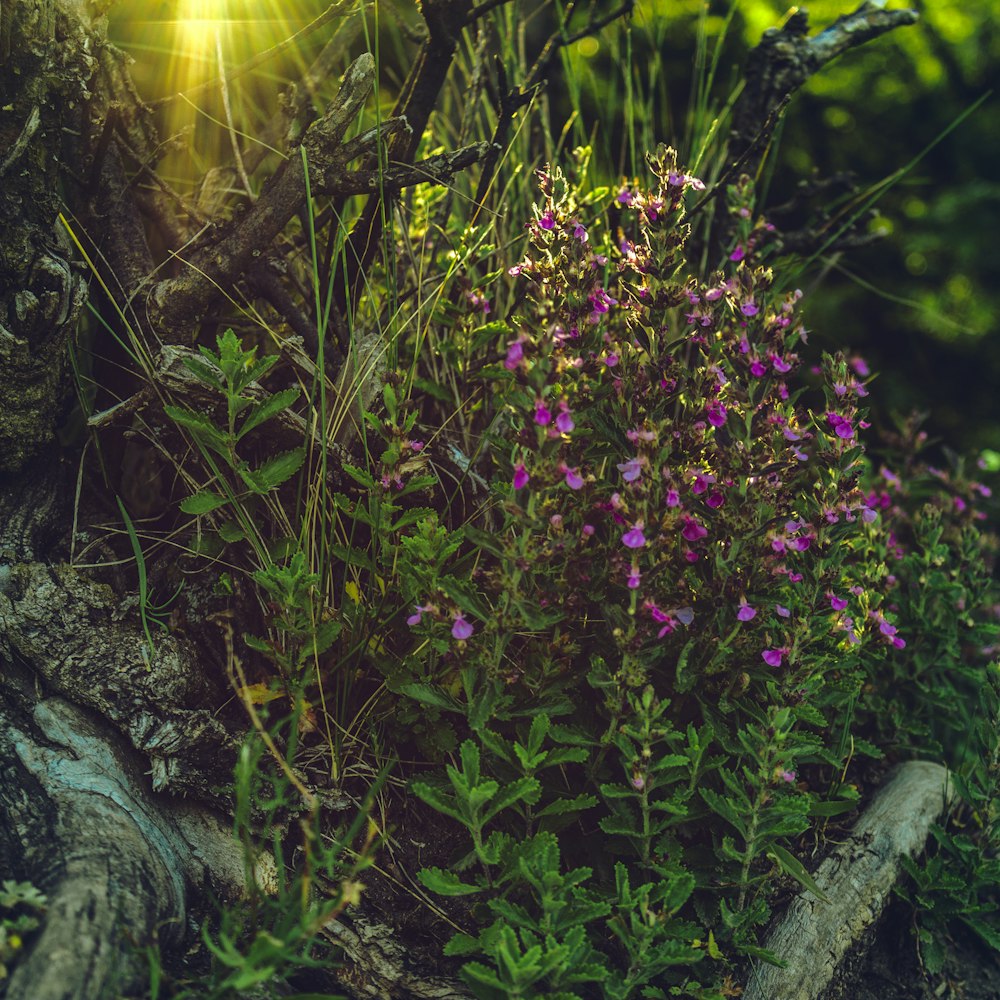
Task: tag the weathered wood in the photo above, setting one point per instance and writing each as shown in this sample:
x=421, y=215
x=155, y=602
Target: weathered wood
x=116, y=861
x=812, y=936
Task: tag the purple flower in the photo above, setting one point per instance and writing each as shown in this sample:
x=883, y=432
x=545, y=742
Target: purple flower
x=781, y=610
x=543, y=415
x=737, y=255
x=548, y=220
x=773, y=657
x=692, y=530
x=633, y=578
x=673, y=498
x=634, y=538
x=520, y=476
x=573, y=479
x=630, y=470
x=611, y=360
x=564, y=420
x=788, y=776
x=716, y=413
x=745, y=612
x=749, y=308
x=685, y=615
x=624, y=197
x=515, y=353
x=579, y=232
x=780, y=365
x=715, y=499
x=421, y=608
x=461, y=629
x=837, y=603
x=758, y=369
x=795, y=577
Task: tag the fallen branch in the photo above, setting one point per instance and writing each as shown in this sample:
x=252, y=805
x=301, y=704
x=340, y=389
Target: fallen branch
x=812, y=937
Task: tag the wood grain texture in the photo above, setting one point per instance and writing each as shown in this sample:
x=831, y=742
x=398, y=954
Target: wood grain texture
x=812, y=936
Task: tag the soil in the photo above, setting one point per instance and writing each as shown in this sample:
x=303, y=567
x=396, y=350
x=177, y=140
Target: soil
x=890, y=969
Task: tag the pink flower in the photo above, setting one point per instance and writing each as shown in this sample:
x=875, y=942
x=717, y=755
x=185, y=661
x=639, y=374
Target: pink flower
x=737, y=255
x=794, y=577
x=587, y=530
x=716, y=413
x=520, y=476
x=573, y=479
x=692, y=530
x=692, y=557
x=773, y=657
x=461, y=629
x=611, y=360
x=633, y=578
x=634, y=538
x=745, y=612
x=837, y=603
x=630, y=470
x=788, y=776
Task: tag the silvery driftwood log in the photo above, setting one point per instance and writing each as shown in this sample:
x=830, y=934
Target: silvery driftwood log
x=812, y=937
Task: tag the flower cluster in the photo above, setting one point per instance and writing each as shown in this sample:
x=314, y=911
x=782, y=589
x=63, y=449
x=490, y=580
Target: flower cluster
x=662, y=459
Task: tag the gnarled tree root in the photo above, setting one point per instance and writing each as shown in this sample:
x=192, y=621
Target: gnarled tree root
x=812, y=937
x=115, y=860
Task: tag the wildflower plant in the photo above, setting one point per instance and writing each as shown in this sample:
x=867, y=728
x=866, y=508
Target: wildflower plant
x=699, y=575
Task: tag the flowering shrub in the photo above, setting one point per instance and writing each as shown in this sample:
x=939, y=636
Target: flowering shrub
x=699, y=574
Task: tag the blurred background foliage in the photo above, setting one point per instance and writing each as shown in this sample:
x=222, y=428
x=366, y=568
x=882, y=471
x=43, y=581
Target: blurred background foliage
x=921, y=304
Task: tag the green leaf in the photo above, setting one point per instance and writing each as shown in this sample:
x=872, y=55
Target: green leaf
x=445, y=883
x=201, y=428
x=203, y=502
x=231, y=532
x=359, y=475
x=428, y=695
x=791, y=865
x=275, y=471
x=523, y=790
x=684, y=681
x=271, y=406
x=437, y=799
x=462, y=944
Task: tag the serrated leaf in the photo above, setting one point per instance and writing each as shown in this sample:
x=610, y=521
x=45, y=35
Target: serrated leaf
x=275, y=471
x=462, y=944
x=445, y=883
x=791, y=865
x=209, y=374
x=271, y=407
x=359, y=475
x=203, y=502
x=428, y=695
x=231, y=532
x=437, y=799
x=562, y=806
x=203, y=430
x=523, y=790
